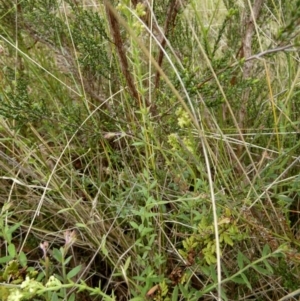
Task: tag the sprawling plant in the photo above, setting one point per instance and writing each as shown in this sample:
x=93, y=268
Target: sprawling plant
x=149, y=149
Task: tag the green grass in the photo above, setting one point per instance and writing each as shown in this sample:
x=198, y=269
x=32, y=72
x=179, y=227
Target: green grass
x=134, y=168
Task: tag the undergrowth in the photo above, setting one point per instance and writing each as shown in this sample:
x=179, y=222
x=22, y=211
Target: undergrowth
x=149, y=150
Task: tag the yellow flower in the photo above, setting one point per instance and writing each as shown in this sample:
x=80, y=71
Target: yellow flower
x=172, y=140
x=15, y=295
x=183, y=118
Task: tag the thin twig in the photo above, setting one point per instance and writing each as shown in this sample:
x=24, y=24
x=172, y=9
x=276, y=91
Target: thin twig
x=252, y=57
x=116, y=34
x=172, y=13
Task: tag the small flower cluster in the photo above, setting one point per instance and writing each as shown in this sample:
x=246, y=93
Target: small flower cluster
x=184, y=122
x=183, y=117
x=27, y=290
x=140, y=11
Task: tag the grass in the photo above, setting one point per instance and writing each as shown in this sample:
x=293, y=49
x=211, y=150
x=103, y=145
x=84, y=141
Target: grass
x=149, y=155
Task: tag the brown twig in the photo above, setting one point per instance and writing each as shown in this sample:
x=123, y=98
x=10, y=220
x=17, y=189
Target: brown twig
x=116, y=34
x=252, y=57
x=173, y=10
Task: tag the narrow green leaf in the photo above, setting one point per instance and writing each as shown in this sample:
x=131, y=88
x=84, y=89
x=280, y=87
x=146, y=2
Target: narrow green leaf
x=285, y=199
x=227, y=239
x=146, y=231
x=14, y=228
x=138, y=144
x=63, y=183
x=184, y=291
x=80, y=225
x=268, y=266
x=261, y=270
x=57, y=255
x=64, y=210
x=175, y=293
x=22, y=259
x=238, y=280
x=74, y=272
x=266, y=250
x=54, y=297
x=223, y=295
x=103, y=246
x=213, y=273
x=154, y=183
x=5, y=259
x=72, y=297
x=134, y=225
x=182, y=253
x=67, y=260
x=11, y=250
x=246, y=281
x=127, y=263
x=240, y=260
